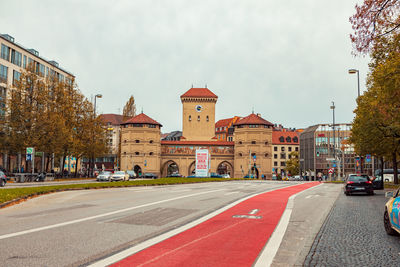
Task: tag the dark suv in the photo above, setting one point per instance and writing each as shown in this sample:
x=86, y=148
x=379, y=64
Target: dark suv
x=3, y=179
x=356, y=184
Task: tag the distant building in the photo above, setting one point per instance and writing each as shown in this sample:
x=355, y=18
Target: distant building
x=247, y=152
x=284, y=141
x=322, y=149
x=224, y=129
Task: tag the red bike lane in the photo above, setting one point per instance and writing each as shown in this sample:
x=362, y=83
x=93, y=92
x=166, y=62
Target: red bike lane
x=234, y=237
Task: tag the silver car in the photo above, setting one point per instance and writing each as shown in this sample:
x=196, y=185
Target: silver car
x=104, y=176
x=119, y=176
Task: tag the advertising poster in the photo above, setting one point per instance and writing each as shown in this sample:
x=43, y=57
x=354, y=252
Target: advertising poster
x=202, y=162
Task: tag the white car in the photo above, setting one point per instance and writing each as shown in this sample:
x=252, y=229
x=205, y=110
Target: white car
x=104, y=176
x=119, y=176
x=226, y=175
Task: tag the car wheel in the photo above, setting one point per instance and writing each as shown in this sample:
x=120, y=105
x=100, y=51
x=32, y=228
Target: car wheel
x=347, y=193
x=388, y=226
x=2, y=183
x=371, y=193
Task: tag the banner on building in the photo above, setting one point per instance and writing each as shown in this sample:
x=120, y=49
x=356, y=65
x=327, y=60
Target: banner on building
x=202, y=162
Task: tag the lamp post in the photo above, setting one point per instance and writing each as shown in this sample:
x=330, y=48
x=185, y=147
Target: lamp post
x=353, y=71
x=94, y=113
x=334, y=135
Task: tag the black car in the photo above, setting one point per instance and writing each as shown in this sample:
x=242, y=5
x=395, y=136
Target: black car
x=149, y=175
x=357, y=184
x=3, y=179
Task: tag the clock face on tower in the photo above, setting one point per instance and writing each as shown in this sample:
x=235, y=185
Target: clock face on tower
x=198, y=108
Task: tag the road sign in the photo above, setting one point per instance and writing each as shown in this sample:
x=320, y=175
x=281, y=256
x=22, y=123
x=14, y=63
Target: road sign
x=334, y=165
x=330, y=159
x=30, y=150
x=254, y=159
x=368, y=158
x=145, y=163
x=28, y=157
x=331, y=170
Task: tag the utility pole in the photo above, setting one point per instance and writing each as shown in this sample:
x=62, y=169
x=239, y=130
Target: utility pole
x=334, y=136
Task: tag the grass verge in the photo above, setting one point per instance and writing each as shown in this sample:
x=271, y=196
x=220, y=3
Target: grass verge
x=10, y=195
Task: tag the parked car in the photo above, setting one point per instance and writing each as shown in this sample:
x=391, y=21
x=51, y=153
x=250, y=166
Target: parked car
x=149, y=175
x=3, y=179
x=104, y=176
x=357, y=184
x=226, y=175
x=119, y=176
x=132, y=174
x=392, y=213
x=175, y=175
x=192, y=176
x=215, y=175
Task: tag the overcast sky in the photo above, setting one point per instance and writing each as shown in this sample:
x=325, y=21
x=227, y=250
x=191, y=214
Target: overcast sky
x=286, y=59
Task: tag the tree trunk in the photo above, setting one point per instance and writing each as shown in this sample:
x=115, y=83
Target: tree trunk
x=395, y=178
x=62, y=166
x=76, y=166
x=382, y=162
x=47, y=162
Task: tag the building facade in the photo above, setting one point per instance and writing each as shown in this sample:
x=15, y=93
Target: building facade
x=249, y=153
x=323, y=149
x=284, y=142
x=14, y=59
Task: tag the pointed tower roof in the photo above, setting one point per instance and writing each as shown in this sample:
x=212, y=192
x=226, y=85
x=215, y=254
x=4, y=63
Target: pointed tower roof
x=143, y=119
x=199, y=93
x=253, y=119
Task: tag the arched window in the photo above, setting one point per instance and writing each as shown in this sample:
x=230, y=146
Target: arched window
x=198, y=118
x=137, y=141
x=240, y=154
x=240, y=142
x=266, y=155
x=281, y=139
x=253, y=142
x=295, y=139
x=151, y=141
x=151, y=153
x=136, y=153
x=207, y=118
x=288, y=139
x=190, y=118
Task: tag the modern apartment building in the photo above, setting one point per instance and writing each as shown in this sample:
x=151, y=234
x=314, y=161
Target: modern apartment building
x=284, y=142
x=14, y=58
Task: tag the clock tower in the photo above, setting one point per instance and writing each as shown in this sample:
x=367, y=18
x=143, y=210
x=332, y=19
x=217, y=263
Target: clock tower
x=198, y=114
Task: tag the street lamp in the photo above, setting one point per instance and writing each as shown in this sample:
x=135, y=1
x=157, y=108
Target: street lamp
x=96, y=96
x=353, y=71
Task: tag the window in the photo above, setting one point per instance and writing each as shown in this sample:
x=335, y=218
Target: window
x=283, y=164
x=275, y=156
x=136, y=153
x=283, y=148
x=152, y=126
x=41, y=70
x=266, y=142
x=137, y=141
x=190, y=118
x=3, y=73
x=253, y=142
x=275, y=148
x=16, y=57
x=207, y=118
x=288, y=139
x=296, y=149
x=151, y=153
x=137, y=125
x=295, y=139
x=281, y=139
x=290, y=149
x=240, y=154
x=266, y=155
x=16, y=76
x=25, y=59
x=275, y=163
x=198, y=118
x=151, y=141
x=47, y=73
x=240, y=142
x=289, y=156
x=5, y=52
x=230, y=138
x=283, y=156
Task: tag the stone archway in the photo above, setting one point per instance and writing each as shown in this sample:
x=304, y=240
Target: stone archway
x=225, y=167
x=170, y=167
x=192, y=169
x=138, y=170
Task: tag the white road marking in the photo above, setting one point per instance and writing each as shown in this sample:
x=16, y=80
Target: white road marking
x=230, y=193
x=312, y=196
x=267, y=255
x=130, y=251
x=100, y=215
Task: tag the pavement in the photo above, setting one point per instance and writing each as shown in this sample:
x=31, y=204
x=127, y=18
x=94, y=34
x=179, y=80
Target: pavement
x=353, y=235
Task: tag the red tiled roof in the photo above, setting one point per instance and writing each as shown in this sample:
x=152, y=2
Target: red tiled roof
x=142, y=118
x=199, y=92
x=253, y=119
x=277, y=134
x=201, y=143
x=114, y=119
x=223, y=123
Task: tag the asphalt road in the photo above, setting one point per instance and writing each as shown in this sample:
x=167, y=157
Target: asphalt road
x=76, y=228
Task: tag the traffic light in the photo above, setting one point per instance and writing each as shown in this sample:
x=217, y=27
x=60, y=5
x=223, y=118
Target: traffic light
x=317, y=153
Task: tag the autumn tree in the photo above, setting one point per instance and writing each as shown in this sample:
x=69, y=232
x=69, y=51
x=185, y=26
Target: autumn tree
x=129, y=108
x=292, y=164
x=374, y=19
